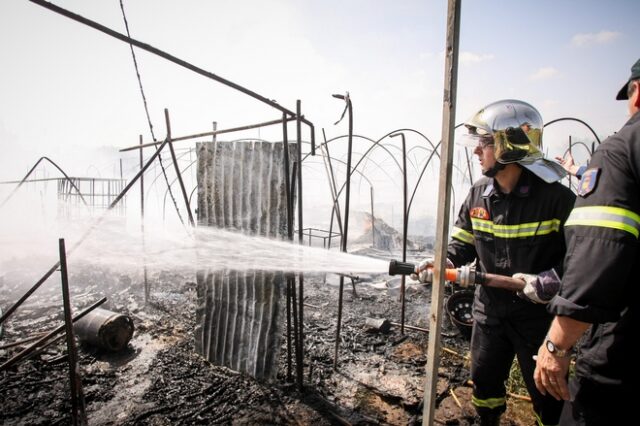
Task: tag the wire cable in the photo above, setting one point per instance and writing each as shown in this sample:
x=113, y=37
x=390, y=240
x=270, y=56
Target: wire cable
x=146, y=109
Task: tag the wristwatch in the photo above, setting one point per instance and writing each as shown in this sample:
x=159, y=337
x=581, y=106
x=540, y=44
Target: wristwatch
x=554, y=350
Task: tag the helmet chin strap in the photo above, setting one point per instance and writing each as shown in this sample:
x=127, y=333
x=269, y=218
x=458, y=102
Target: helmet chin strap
x=493, y=171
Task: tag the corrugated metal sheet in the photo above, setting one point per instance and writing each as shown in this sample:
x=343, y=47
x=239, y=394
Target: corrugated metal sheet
x=241, y=187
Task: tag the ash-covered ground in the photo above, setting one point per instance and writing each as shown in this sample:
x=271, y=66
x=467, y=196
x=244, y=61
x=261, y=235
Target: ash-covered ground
x=160, y=380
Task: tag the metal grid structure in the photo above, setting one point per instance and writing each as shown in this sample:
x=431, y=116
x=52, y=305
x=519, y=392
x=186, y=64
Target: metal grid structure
x=98, y=193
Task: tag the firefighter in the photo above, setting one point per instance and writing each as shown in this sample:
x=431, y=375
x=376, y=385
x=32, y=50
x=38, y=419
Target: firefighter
x=511, y=223
x=599, y=290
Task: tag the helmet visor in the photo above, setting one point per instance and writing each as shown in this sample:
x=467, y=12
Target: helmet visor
x=474, y=137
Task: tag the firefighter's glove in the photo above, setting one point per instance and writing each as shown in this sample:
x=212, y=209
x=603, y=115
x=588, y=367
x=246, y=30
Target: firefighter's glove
x=424, y=270
x=539, y=288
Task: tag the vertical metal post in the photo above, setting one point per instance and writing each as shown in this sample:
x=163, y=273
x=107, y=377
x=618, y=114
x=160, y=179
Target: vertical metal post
x=215, y=128
x=54, y=268
x=571, y=153
x=345, y=226
x=177, y=167
x=147, y=290
x=294, y=303
x=373, y=222
x=299, y=365
x=332, y=187
x=74, y=379
x=290, y=280
x=444, y=203
x=405, y=226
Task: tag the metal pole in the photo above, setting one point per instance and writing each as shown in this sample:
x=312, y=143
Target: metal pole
x=84, y=236
x=214, y=133
x=332, y=187
x=345, y=226
x=147, y=290
x=177, y=167
x=405, y=219
x=74, y=376
x=570, y=153
x=294, y=303
x=290, y=280
x=444, y=202
x=373, y=222
x=299, y=370
x=158, y=52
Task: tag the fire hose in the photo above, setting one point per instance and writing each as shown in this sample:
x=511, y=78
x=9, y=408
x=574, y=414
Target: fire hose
x=463, y=276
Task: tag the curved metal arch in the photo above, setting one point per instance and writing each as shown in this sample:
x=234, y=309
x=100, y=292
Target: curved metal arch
x=166, y=192
x=574, y=119
x=414, y=164
x=31, y=171
x=361, y=174
x=191, y=194
x=162, y=174
x=362, y=157
x=578, y=143
x=374, y=144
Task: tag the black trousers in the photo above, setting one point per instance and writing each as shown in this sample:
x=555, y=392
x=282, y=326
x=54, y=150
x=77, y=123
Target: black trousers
x=595, y=404
x=493, y=348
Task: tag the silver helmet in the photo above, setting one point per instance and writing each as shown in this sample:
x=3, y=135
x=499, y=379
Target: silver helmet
x=514, y=126
x=515, y=129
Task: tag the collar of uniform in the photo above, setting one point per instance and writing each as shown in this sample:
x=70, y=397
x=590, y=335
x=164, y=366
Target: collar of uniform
x=489, y=190
x=634, y=118
x=522, y=189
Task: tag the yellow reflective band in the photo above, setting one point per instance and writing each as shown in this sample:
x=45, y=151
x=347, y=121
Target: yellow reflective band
x=520, y=230
x=462, y=235
x=489, y=402
x=606, y=217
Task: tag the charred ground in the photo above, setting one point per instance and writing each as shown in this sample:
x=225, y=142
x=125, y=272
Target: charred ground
x=160, y=380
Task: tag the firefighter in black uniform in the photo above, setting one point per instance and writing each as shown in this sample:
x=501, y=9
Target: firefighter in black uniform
x=511, y=224
x=600, y=286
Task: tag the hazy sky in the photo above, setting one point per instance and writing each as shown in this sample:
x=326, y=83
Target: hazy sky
x=67, y=90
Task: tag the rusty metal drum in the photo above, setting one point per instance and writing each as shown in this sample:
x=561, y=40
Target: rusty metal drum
x=105, y=329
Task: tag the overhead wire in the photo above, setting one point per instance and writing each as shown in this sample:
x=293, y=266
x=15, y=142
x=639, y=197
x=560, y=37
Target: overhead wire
x=146, y=109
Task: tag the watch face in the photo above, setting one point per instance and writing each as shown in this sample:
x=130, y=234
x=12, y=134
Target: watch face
x=550, y=346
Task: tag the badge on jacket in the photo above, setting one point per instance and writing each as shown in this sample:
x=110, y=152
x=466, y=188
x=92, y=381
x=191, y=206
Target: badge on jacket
x=479, y=212
x=588, y=182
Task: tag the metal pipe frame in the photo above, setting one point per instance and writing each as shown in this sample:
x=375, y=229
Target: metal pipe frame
x=405, y=216
x=300, y=365
x=345, y=233
x=213, y=133
x=84, y=236
x=75, y=382
x=577, y=120
x=24, y=179
x=177, y=168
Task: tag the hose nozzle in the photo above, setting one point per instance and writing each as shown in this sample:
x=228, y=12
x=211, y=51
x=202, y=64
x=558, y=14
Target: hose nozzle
x=401, y=268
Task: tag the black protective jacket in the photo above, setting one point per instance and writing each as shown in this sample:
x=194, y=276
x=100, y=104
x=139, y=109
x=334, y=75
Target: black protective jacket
x=508, y=233
x=602, y=279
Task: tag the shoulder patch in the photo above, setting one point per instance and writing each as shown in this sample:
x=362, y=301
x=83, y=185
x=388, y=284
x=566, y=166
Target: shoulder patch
x=479, y=212
x=588, y=182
